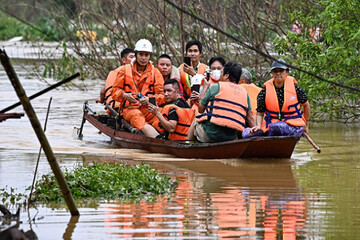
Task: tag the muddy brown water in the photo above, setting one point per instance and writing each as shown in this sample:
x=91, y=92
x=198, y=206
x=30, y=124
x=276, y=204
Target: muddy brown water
x=310, y=196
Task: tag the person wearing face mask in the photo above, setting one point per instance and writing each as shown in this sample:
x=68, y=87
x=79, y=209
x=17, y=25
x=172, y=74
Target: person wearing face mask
x=224, y=108
x=216, y=65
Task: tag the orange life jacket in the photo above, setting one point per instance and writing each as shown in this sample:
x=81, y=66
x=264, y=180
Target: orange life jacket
x=131, y=87
x=185, y=118
x=291, y=110
x=108, y=86
x=253, y=91
x=185, y=79
x=228, y=108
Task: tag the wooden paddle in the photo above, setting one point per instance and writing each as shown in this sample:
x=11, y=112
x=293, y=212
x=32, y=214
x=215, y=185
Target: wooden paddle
x=312, y=142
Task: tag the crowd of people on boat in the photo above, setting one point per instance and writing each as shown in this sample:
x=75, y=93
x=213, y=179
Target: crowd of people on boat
x=211, y=102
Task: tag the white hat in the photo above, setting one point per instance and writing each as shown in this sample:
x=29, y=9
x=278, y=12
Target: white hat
x=143, y=45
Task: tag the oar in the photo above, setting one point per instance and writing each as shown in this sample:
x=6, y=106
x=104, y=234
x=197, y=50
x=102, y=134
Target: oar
x=42, y=91
x=312, y=142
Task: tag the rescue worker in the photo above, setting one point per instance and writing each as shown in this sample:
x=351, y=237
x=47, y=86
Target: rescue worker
x=174, y=120
x=105, y=95
x=165, y=66
x=134, y=85
x=280, y=101
x=224, y=108
x=251, y=89
x=187, y=72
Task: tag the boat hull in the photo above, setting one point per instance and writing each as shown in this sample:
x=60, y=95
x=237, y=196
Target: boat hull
x=257, y=147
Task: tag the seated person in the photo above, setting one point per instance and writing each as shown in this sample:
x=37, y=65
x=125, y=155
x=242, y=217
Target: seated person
x=216, y=65
x=133, y=86
x=165, y=66
x=174, y=120
x=251, y=89
x=188, y=72
x=227, y=108
x=105, y=95
x=280, y=101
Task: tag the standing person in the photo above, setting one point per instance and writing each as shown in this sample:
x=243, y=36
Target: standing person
x=166, y=68
x=187, y=72
x=224, y=106
x=280, y=101
x=134, y=85
x=251, y=89
x=174, y=120
x=105, y=95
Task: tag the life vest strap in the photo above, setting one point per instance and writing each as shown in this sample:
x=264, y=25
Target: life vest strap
x=181, y=134
x=182, y=124
x=231, y=102
x=220, y=116
x=226, y=109
x=107, y=89
x=283, y=115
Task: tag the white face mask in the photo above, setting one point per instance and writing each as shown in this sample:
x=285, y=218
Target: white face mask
x=216, y=74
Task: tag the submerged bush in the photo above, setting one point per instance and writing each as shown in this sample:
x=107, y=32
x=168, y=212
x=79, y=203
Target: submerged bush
x=106, y=181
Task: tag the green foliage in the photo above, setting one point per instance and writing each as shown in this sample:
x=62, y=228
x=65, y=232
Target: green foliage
x=9, y=196
x=106, y=181
x=64, y=67
x=10, y=27
x=337, y=58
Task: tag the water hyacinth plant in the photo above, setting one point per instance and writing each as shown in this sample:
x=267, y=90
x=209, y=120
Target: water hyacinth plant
x=105, y=181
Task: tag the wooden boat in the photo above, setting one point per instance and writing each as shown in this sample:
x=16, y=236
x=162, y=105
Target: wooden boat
x=4, y=116
x=257, y=147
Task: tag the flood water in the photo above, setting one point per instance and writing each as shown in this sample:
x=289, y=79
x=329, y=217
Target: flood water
x=310, y=196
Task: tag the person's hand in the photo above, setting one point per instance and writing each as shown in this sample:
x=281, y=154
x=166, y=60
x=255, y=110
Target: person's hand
x=153, y=109
x=254, y=130
x=206, y=84
x=144, y=101
x=189, y=70
x=99, y=100
x=194, y=96
x=306, y=129
x=129, y=97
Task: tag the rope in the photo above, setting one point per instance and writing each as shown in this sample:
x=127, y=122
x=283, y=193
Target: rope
x=256, y=49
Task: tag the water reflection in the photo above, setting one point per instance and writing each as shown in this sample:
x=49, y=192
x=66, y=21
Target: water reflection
x=222, y=199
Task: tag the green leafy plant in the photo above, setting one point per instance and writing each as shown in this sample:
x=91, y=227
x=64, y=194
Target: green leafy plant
x=335, y=57
x=9, y=195
x=106, y=181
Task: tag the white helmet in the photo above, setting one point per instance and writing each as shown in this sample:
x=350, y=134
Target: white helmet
x=143, y=45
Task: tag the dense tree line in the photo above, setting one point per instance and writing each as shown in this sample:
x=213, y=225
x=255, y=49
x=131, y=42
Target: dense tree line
x=264, y=24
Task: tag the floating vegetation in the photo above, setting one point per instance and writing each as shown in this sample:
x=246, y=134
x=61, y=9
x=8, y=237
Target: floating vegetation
x=105, y=181
x=8, y=195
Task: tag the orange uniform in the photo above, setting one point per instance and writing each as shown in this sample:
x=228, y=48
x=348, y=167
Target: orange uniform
x=253, y=91
x=108, y=86
x=291, y=110
x=149, y=83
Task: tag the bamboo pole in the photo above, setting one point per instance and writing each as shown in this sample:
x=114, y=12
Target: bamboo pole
x=318, y=150
x=39, y=133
